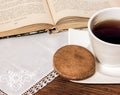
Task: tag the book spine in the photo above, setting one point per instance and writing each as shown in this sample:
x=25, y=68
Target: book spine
x=53, y=30
x=25, y=34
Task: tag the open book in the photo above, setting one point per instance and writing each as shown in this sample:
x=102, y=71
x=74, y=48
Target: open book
x=24, y=16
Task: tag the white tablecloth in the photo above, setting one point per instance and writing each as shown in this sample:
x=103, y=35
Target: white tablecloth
x=25, y=61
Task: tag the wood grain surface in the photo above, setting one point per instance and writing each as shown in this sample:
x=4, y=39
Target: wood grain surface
x=60, y=86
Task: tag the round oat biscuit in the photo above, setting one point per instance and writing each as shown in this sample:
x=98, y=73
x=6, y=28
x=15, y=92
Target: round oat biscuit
x=74, y=62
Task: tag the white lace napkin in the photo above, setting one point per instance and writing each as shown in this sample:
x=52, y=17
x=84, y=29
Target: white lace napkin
x=26, y=62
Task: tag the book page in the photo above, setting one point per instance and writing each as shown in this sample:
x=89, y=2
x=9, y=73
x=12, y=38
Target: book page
x=18, y=13
x=115, y=3
x=81, y=8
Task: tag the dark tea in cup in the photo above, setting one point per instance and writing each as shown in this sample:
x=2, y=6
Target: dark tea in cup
x=108, y=31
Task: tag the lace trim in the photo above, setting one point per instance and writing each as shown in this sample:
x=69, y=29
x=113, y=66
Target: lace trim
x=42, y=83
x=2, y=93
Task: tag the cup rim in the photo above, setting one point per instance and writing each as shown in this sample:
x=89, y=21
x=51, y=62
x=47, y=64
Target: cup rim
x=91, y=19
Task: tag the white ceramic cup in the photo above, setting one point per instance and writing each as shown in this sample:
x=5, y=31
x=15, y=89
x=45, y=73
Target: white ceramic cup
x=107, y=53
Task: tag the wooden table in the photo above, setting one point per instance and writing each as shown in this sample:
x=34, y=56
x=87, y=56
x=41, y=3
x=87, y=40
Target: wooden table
x=61, y=86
